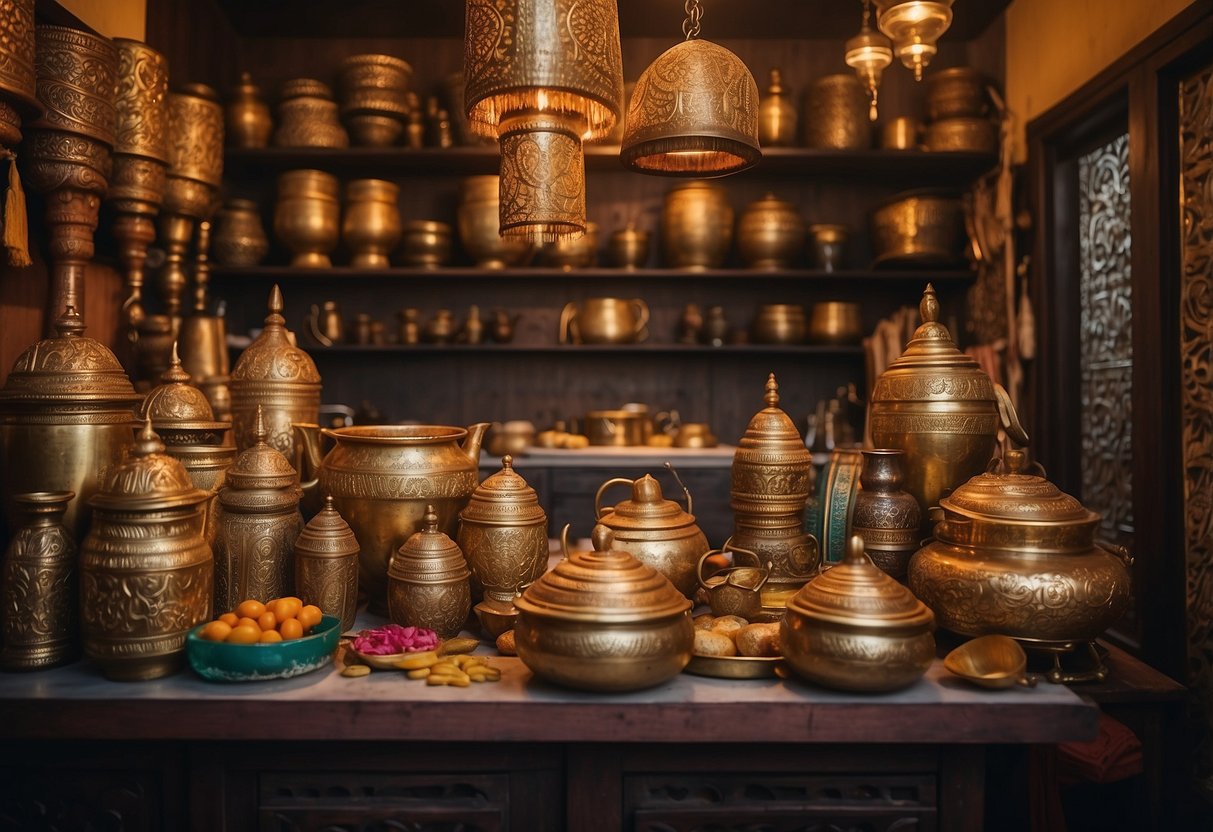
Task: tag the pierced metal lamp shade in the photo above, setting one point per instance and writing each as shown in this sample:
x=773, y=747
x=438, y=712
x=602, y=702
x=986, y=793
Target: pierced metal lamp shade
x=914, y=26
x=694, y=113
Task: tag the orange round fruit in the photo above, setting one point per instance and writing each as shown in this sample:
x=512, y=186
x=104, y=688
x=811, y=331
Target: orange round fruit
x=216, y=631
x=250, y=609
x=270, y=636
x=286, y=608
x=244, y=634
x=309, y=616
x=250, y=622
x=267, y=621
x=291, y=628
x=230, y=619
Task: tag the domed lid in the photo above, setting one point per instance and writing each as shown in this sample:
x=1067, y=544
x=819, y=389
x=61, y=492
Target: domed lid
x=857, y=593
x=246, y=88
x=175, y=403
x=261, y=466
x=1011, y=489
x=146, y=479
x=504, y=498
x=648, y=510
x=272, y=357
x=429, y=556
x=327, y=535
x=68, y=368
x=772, y=430
x=606, y=586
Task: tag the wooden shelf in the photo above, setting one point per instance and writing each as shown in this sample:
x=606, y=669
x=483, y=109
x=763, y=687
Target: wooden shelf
x=292, y=274
x=681, y=350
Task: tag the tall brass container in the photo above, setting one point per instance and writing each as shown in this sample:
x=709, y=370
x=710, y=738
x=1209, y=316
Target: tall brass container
x=281, y=378
x=326, y=565
x=776, y=114
x=246, y=117
x=146, y=574
x=38, y=586
x=835, y=113
x=371, y=228
x=67, y=411
x=427, y=581
x=696, y=226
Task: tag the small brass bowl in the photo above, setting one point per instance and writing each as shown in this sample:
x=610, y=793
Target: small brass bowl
x=734, y=667
x=993, y=661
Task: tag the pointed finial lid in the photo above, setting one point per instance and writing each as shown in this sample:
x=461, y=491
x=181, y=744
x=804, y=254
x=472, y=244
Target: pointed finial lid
x=147, y=442
x=428, y=556
x=259, y=432
x=146, y=479
x=272, y=357
x=176, y=373
x=327, y=535
x=504, y=499
x=261, y=466
x=772, y=394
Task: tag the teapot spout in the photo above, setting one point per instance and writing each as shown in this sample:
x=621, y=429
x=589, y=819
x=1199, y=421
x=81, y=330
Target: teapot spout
x=307, y=455
x=471, y=445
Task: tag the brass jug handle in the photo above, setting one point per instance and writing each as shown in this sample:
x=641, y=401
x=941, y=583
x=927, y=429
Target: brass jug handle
x=642, y=319
x=564, y=540
x=568, y=331
x=1008, y=416
x=1116, y=551
x=598, y=497
x=313, y=328
x=699, y=566
x=727, y=548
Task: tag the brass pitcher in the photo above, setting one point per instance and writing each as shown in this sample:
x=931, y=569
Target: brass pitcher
x=428, y=581
x=604, y=321
x=736, y=590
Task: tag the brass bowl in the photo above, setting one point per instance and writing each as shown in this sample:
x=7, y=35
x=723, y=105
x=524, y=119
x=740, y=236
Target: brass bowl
x=425, y=244
x=628, y=248
x=371, y=227
x=479, y=223
x=581, y=253
x=734, y=667
x=994, y=661
x=961, y=134
x=919, y=228
x=835, y=322
x=770, y=234
x=779, y=323
x=306, y=216
x=374, y=129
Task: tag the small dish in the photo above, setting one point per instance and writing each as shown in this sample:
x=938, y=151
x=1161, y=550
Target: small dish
x=734, y=667
x=219, y=661
x=993, y=661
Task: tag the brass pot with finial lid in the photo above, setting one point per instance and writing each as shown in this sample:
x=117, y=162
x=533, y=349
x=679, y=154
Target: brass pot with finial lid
x=768, y=491
x=280, y=378
x=258, y=523
x=936, y=403
x=503, y=533
x=428, y=581
x=603, y=621
x=326, y=565
x=66, y=413
x=855, y=628
x=146, y=572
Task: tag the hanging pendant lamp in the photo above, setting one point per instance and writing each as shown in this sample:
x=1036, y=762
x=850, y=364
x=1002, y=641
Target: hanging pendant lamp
x=543, y=76
x=914, y=26
x=694, y=111
x=869, y=53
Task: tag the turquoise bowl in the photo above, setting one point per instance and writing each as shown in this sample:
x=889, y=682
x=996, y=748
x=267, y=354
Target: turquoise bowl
x=219, y=661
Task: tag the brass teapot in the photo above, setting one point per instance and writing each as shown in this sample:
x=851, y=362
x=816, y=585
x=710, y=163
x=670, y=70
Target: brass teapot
x=735, y=590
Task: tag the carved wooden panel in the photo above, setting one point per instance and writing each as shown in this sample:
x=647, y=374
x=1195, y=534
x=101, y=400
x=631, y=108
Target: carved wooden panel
x=58, y=800
x=1196, y=362
x=1106, y=358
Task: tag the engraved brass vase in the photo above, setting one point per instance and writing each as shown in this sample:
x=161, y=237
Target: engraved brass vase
x=38, y=586
x=427, y=581
x=306, y=216
x=326, y=565
x=696, y=226
x=835, y=113
x=603, y=621
x=240, y=239
x=855, y=628
x=146, y=573
x=884, y=515
x=307, y=116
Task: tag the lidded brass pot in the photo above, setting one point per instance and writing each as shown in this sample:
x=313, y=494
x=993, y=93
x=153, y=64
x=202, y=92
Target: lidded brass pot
x=855, y=628
x=503, y=533
x=655, y=531
x=146, y=573
x=1015, y=555
x=259, y=521
x=937, y=404
x=67, y=410
x=603, y=621
x=275, y=375
x=427, y=581
x=326, y=565
x=768, y=492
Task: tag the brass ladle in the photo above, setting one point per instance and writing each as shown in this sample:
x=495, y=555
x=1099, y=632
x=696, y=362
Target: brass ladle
x=994, y=661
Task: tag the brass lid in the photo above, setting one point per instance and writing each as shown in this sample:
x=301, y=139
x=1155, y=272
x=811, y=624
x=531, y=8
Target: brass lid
x=68, y=368
x=272, y=357
x=146, y=479
x=327, y=535
x=648, y=510
x=261, y=466
x=857, y=593
x=428, y=556
x=246, y=88
x=305, y=87
x=773, y=430
x=175, y=403
x=504, y=499
x=1008, y=490
x=605, y=586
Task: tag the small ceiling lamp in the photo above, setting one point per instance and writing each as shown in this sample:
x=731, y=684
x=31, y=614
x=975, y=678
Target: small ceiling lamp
x=869, y=53
x=543, y=76
x=914, y=26
x=694, y=111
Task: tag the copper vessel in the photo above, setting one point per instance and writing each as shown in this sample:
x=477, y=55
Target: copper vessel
x=371, y=226
x=972, y=134
x=835, y=113
x=779, y=323
x=919, y=228
x=835, y=322
x=258, y=523
x=38, y=586
x=306, y=216
x=274, y=374
x=770, y=234
x=247, y=122
x=67, y=410
x=503, y=533
x=696, y=226
x=1015, y=555
x=655, y=531
x=603, y=621
x=146, y=573
x=768, y=492
x=326, y=565
x=240, y=239
x=307, y=116
x=426, y=244
x=884, y=515
x=374, y=104
x=855, y=628
x=382, y=478
x=776, y=114
x=956, y=92
x=479, y=222
x=936, y=404
x=427, y=581
x=604, y=321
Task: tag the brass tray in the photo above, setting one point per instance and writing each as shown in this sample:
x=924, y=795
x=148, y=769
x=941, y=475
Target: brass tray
x=734, y=667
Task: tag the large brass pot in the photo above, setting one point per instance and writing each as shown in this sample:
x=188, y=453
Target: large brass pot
x=956, y=92
x=919, y=228
x=382, y=478
x=770, y=234
x=696, y=226
x=835, y=113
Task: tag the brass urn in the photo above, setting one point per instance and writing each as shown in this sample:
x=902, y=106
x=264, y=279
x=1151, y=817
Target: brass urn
x=770, y=234
x=855, y=628
x=146, y=573
x=936, y=403
x=427, y=581
x=1015, y=555
x=776, y=114
x=655, y=531
x=503, y=533
x=67, y=410
x=326, y=565
x=280, y=378
x=259, y=521
x=603, y=621
x=696, y=226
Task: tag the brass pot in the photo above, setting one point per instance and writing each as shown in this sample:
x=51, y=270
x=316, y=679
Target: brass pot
x=479, y=222
x=371, y=227
x=604, y=321
x=835, y=322
x=628, y=247
x=827, y=244
x=776, y=114
x=383, y=477
x=656, y=531
x=919, y=228
x=836, y=113
x=770, y=234
x=696, y=226
x=426, y=244
x=306, y=216
x=779, y=323
x=326, y=565
x=246, y=117
x=974, y=134
x=1015, y=555
x=602, y=621
x=427, y=581
x=885, y=515
x=240, y=240
x=569, y=254
x=855, y=628
x=307, y=116
x=618, y=428
x=956, y=92
x=900, y=133
x=374, y=103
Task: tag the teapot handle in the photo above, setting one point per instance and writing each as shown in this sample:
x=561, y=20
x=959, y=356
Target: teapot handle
x=1008, y=415
x=1116, y=551
x=598, y=512
x=313, y=327
x=642, y=318
x=568, y=333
